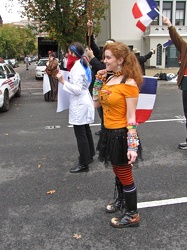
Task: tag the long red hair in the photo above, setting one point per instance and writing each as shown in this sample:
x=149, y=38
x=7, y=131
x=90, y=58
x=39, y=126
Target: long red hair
x=130, y=66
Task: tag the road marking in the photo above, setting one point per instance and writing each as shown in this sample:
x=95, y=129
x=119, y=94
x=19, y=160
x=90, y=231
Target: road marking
x=37, y=93
x=167, y=120
x=52, y=127
x=24, y=88
x=162, y=202
x=150, y=121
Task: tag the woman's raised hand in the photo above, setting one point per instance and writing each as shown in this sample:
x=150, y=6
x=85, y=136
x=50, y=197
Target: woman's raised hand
x=166, y=21
x=102, y=72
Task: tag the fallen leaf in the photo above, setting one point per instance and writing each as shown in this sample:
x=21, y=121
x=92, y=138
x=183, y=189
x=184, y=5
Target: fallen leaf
x=77, y=236
x=51, y=192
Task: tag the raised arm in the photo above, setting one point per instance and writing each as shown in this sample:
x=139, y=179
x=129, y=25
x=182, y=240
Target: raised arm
x=175, y=37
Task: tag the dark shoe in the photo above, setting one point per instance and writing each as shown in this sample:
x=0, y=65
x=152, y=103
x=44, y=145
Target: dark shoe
x=98, y=132
x=183, y=145
x=128, y=219
x=79, y=168
x=115, y=206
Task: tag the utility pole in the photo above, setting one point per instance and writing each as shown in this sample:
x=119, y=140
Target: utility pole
x=6, y=49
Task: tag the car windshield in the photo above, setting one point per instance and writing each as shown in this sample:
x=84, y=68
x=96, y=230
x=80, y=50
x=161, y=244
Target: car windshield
x=2, y=75
x=42, y=62
x=13, y=60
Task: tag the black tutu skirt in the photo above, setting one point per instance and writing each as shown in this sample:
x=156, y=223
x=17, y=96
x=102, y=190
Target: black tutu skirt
x=112, y=147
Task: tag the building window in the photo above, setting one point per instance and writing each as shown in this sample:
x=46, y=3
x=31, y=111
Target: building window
x=180, y=13
x=167, y=9
x=159, y=55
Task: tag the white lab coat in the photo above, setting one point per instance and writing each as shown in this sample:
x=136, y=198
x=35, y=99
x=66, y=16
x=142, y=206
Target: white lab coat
x=81, y=108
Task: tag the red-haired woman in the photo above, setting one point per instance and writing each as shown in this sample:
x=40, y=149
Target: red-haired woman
x=118, y=143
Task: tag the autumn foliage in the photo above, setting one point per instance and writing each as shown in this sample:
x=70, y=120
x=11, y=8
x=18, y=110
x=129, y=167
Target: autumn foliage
x=65, y=20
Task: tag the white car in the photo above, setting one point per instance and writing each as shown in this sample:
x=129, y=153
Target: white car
x=40, y=68
x=15, y=63
x=10, y=85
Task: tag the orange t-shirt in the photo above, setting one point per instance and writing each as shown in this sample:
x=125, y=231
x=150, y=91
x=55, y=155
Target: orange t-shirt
x=113, y=101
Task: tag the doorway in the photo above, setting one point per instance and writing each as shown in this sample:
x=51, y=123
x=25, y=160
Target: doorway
x=172, y=56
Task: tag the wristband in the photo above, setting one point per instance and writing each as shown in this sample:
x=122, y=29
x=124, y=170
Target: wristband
x=132, y=125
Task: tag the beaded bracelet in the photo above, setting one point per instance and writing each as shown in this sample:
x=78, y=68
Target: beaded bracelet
x=132, y=141
x=100, y=78
x=98, y=83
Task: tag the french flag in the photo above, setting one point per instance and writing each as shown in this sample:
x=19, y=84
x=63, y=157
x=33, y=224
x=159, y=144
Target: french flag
x=142, y=7
x=146, y=99
x=145, y=20
x=168, y=43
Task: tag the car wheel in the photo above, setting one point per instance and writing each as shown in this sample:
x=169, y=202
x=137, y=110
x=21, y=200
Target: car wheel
x=18, y=93
x=6, y=103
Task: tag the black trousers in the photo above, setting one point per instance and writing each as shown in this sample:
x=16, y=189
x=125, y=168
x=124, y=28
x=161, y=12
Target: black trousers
x=85, y=143
x=184, y=101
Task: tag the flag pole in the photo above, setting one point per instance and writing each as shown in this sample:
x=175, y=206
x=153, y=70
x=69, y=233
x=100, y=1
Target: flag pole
x=158, y=11
x=90, y=27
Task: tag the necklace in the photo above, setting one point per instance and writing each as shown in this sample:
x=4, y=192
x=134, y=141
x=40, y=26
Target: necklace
x=99, y=79
x=113, y=74
x=119, y=73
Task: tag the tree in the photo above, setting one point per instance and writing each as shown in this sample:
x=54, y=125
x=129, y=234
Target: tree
x=16, y=42
x=64, y=20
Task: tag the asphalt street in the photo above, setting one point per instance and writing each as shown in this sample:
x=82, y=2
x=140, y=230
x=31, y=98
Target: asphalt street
x=45, y=207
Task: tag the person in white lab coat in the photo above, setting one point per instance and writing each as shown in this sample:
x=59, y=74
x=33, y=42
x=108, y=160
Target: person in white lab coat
x=81, y=108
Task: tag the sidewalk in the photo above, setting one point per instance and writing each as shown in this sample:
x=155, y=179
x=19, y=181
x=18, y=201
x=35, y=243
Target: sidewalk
x=154, y=71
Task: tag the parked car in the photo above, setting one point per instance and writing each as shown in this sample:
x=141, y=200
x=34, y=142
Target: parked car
x=14, y=62
x=10, y=85
x=40, y=68
x=34, y=58
x=9, y=62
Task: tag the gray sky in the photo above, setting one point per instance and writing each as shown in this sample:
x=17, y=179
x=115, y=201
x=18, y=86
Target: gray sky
x=10, y=16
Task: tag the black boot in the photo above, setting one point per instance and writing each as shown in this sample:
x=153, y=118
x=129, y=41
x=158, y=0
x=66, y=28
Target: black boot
x=131, y=217
x=119, y=202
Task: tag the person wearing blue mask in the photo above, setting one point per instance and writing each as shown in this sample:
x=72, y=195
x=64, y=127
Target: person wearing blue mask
x=81, y=108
